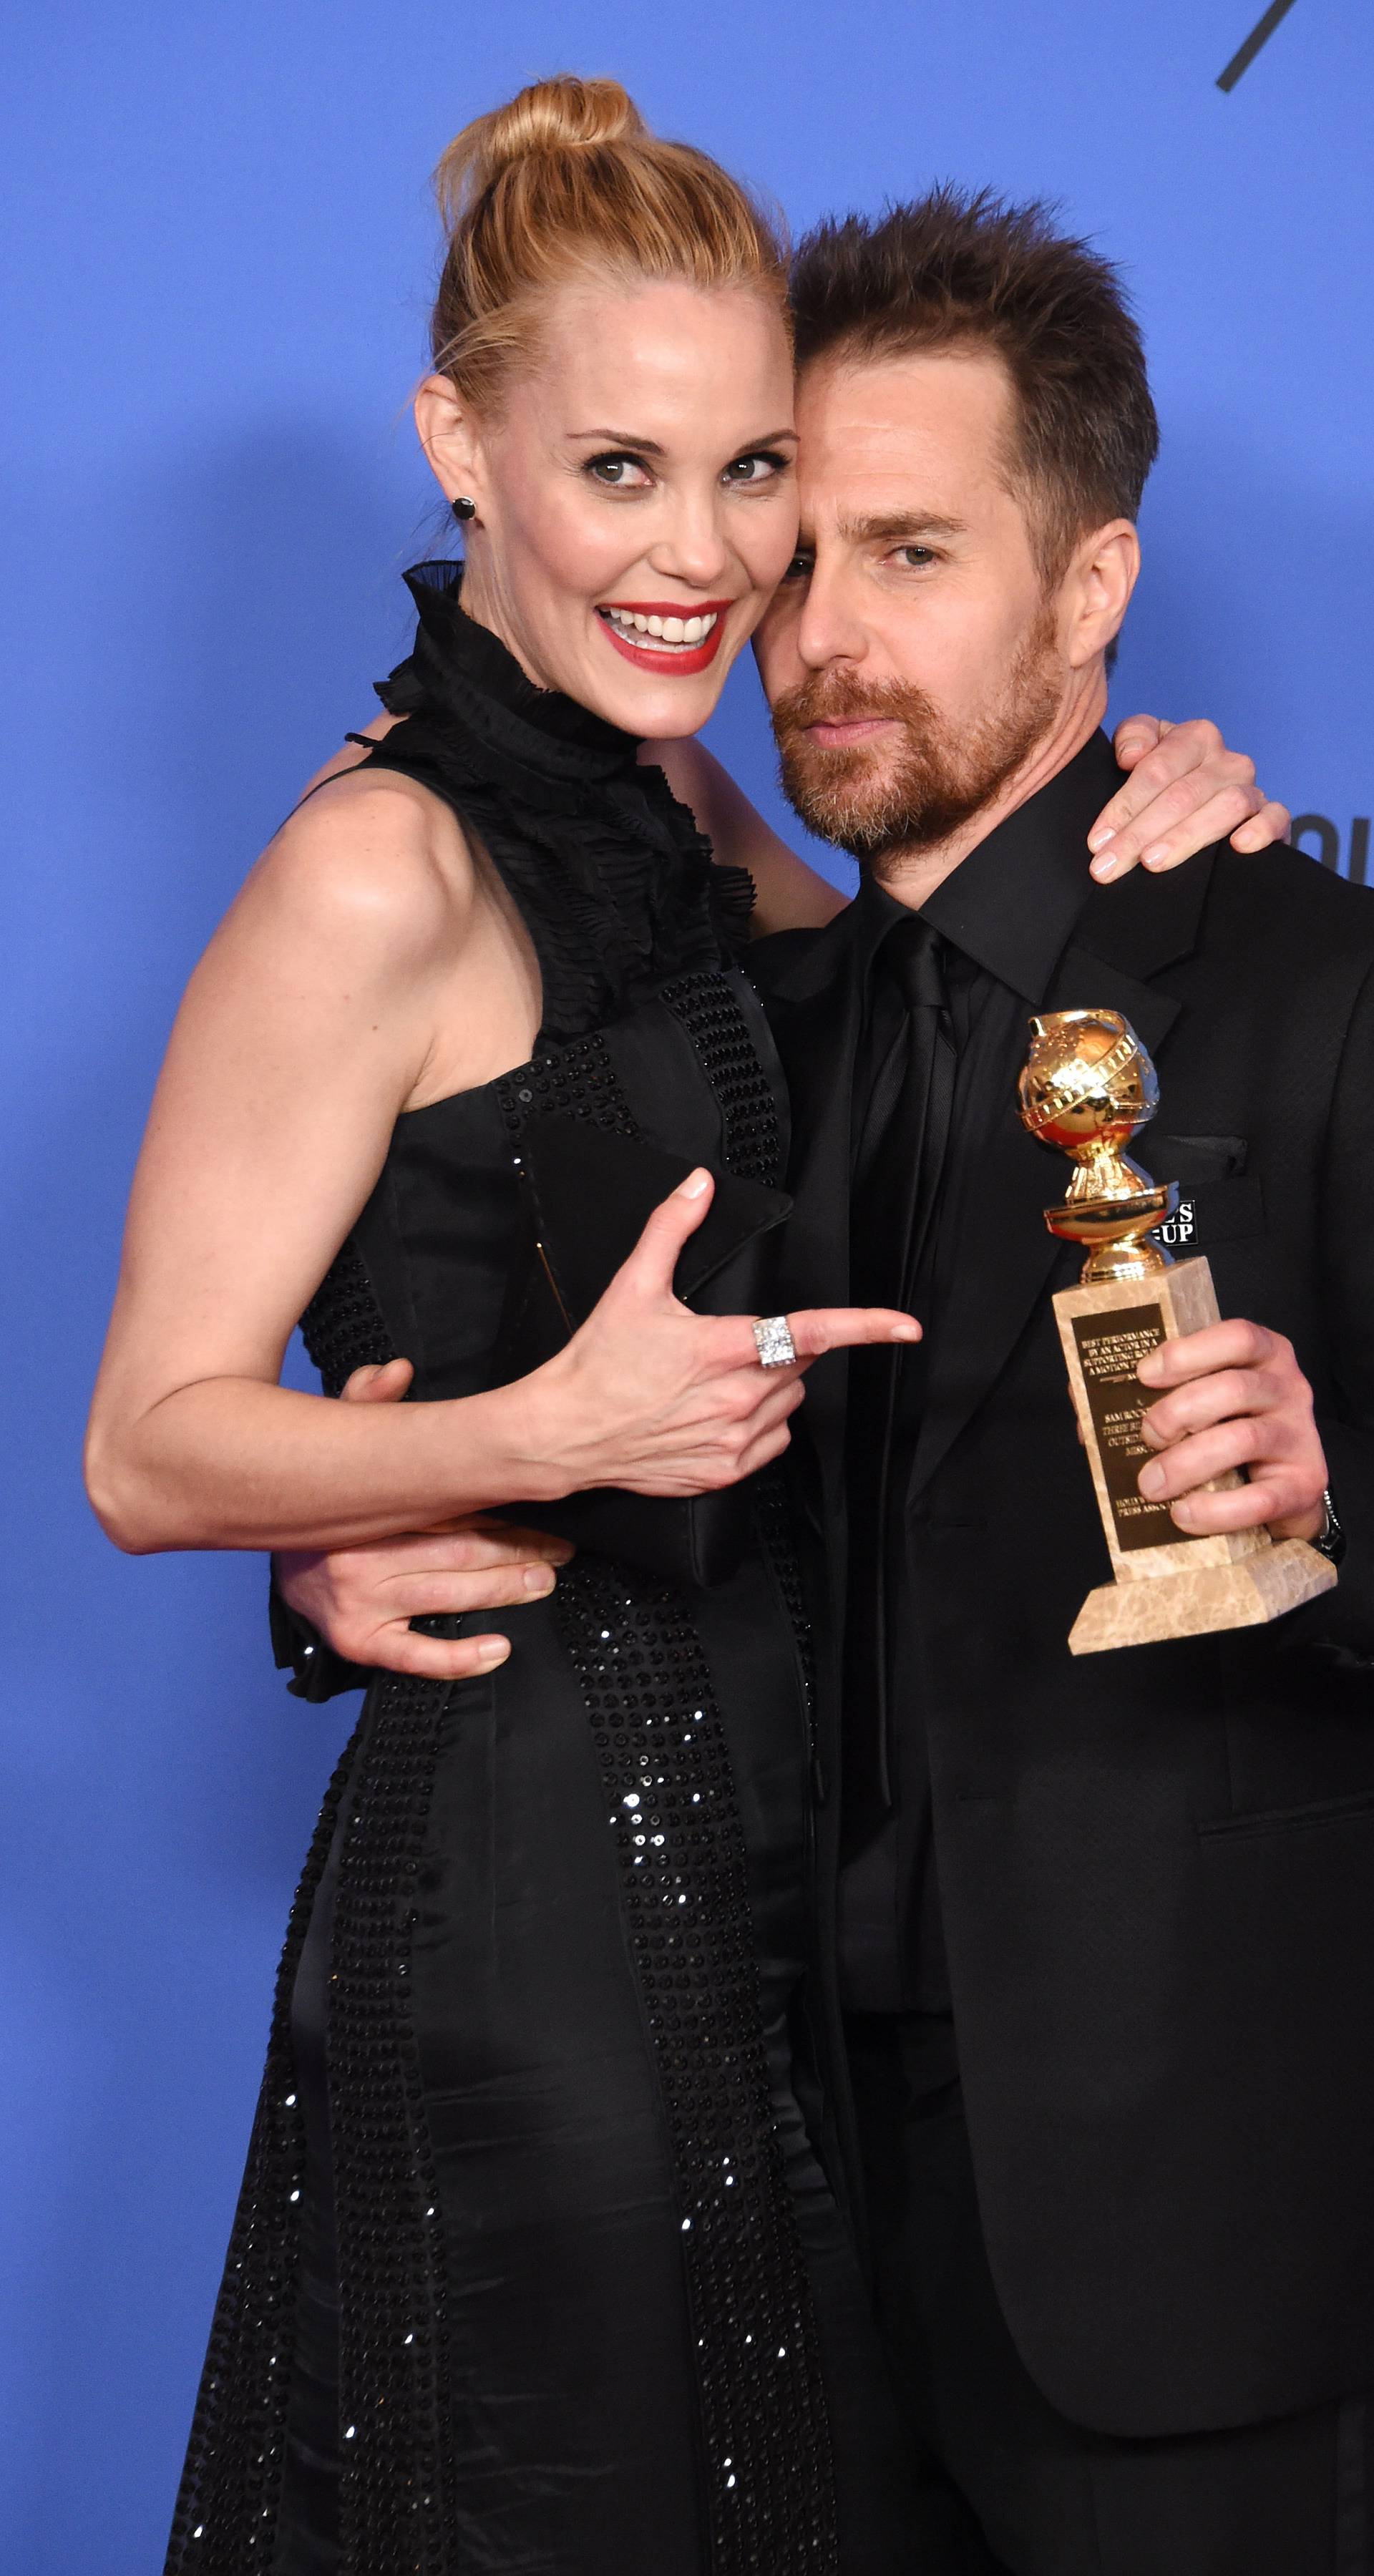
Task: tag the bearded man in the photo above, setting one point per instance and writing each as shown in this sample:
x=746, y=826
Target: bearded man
x=1106, y=1925
x=1104, y=1928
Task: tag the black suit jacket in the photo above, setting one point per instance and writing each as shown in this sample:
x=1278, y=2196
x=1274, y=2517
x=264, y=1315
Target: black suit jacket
x=1156, y=1866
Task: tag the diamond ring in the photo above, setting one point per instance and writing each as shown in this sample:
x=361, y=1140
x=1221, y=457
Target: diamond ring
x=773, y=1342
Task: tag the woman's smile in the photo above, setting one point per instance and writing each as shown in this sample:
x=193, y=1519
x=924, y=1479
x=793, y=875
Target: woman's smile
x=665, y=634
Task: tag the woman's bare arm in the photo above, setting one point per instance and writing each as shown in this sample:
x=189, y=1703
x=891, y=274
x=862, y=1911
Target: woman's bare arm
x=304, y=1031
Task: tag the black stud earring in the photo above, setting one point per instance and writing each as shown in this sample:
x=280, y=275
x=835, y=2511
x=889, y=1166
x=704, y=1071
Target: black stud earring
x=463, y=509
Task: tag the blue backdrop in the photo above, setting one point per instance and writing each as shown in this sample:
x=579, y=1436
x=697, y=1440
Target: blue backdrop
x=218, y=312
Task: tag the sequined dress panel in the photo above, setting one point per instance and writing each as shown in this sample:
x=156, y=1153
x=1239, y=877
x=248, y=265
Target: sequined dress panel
x=536, y=2268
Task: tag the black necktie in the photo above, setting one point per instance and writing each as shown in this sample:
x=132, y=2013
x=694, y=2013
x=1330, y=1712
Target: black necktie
x=904, y=1131
x=902, y=1137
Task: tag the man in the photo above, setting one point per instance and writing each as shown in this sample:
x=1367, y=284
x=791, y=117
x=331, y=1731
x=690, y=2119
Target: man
x=1105, y=1924
x=1104, y=1927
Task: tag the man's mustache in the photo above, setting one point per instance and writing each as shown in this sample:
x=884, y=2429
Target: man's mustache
x=842, y=698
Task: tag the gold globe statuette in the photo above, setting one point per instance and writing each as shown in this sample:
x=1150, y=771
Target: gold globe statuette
x=1088, y=1087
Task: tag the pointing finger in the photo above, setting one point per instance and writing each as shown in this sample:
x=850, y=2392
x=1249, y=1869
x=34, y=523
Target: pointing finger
x=815, y=1330
x=831, y=1328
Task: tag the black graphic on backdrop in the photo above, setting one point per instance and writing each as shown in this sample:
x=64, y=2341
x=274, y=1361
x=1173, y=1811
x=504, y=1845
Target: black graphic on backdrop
x=1258, y=37
x=1320, y=829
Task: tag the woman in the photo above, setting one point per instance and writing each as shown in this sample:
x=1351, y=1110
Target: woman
x=536, y=2265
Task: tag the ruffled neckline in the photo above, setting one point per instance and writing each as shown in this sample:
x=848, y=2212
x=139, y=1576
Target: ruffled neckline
x=455, y=661
x=615, y=884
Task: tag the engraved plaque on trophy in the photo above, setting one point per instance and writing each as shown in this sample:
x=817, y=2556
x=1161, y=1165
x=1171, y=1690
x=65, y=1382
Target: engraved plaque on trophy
x=1088, y=1087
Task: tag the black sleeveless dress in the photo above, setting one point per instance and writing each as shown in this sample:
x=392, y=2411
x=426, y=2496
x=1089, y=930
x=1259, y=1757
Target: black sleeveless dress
x=536, y=2270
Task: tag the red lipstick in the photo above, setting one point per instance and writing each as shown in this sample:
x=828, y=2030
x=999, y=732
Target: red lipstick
x=647, y=651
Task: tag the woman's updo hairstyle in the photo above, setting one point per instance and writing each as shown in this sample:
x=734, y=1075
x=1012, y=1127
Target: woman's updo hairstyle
x=567, y=182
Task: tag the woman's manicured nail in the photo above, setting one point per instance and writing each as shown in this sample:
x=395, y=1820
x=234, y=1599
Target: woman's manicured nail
x=492, y=1650
x=539, y=1579
x=694, y=1184
x=905, y=1333
x=1155, y=856
x=1099, y=839
x=1104, y=869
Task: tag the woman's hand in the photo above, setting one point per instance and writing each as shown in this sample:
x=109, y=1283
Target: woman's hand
x=362, y=1599
x=1185, y=791
x=649, y=1396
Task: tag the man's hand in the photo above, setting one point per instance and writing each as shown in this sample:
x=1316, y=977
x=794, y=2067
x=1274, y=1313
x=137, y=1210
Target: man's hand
x=1185, y=791
x=1233, y=1395
x=362, y=1599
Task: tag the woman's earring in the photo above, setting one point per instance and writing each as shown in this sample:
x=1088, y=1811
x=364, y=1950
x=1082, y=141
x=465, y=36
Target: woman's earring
x=463, y=509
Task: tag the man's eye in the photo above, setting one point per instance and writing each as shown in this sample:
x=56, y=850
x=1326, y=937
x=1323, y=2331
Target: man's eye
x=915, y=555
x=619, y=473
x=800, y=568
x=765, y=467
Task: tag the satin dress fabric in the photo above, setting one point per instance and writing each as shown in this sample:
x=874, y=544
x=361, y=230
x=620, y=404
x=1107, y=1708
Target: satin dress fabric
x=500, y=2070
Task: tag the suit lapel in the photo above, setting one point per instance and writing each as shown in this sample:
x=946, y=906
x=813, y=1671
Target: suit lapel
x=996, y=1252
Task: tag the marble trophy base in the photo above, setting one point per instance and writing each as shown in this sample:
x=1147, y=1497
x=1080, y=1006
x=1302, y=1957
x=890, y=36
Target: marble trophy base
x=1165, y=1585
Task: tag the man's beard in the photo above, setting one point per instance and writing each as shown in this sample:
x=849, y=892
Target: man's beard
x=875, y=799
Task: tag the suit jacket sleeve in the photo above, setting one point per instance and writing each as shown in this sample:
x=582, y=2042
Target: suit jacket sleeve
x=1341, y=1623
x=298, y=1648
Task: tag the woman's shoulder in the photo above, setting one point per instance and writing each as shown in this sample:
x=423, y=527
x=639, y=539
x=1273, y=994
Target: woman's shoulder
x=369, y=857
x=352, y=753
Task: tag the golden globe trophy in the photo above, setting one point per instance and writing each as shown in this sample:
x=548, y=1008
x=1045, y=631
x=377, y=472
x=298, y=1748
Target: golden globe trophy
x=1088, y=1087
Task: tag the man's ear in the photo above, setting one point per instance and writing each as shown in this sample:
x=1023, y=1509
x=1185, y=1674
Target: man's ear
x=450, y=437
x=1097, y=590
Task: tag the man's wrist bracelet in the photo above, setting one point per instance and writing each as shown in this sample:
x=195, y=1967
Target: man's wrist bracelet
x=1330, y=1539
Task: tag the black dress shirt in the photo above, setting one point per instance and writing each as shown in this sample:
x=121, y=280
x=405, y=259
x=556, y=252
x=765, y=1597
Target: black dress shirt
x=992, y=933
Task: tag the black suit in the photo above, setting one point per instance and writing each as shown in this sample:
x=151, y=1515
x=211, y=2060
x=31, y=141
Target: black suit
x=1156, y=1867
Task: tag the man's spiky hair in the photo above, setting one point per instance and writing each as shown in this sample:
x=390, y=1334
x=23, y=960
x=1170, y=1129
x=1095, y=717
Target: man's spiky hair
x=957, y=271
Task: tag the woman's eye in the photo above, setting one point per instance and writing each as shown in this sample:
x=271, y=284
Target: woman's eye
x=619, y=473
x=747, y=470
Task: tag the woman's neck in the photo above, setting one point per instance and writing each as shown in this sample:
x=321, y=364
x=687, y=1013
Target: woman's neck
x=483, y=601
